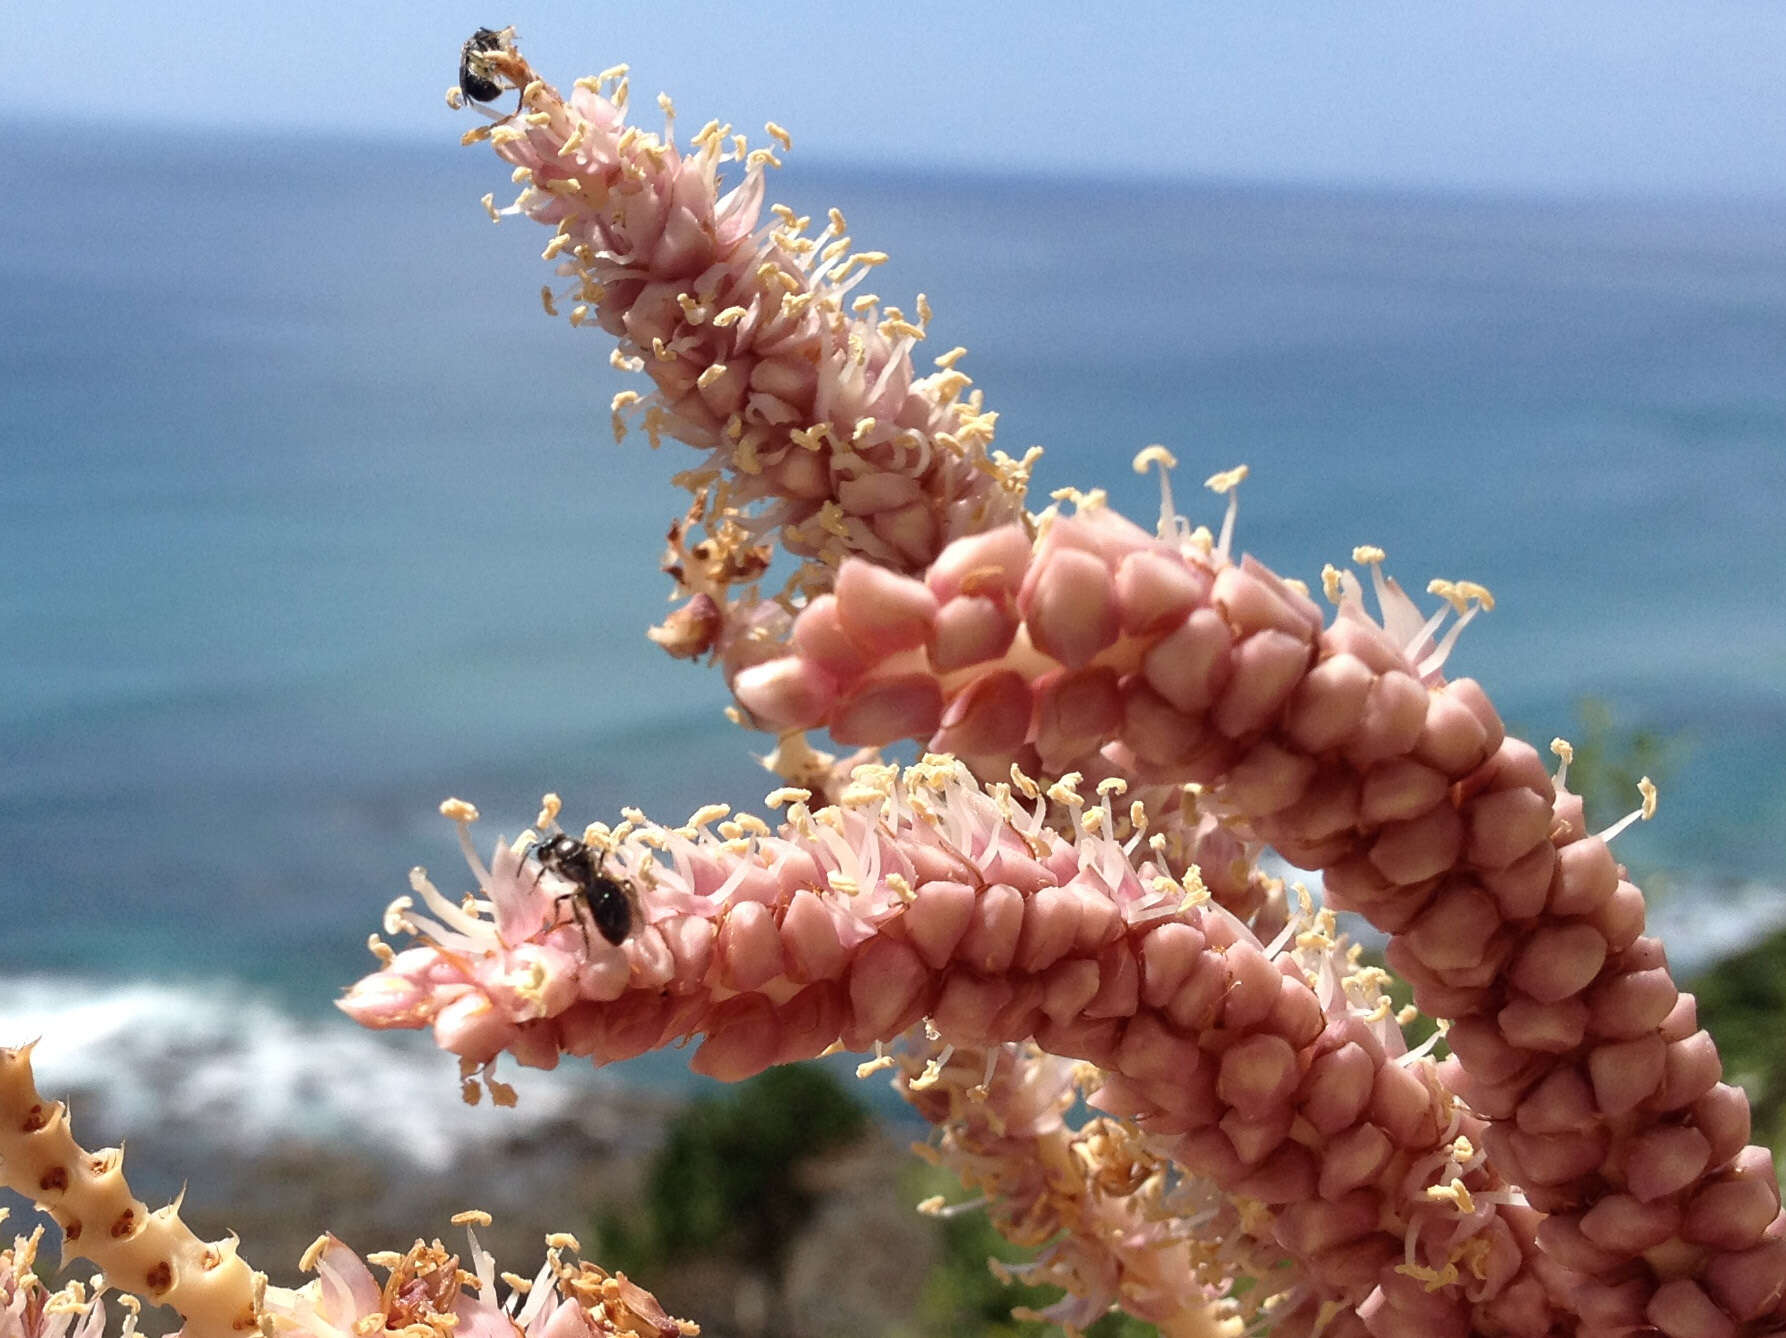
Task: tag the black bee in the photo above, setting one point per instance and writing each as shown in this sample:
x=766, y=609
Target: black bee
x=475, y=85
x=608, y=901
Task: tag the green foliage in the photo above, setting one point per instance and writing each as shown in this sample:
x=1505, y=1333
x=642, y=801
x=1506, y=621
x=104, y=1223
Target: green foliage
x=726, y=1179
x=961, y=1296
x=1742, y=1002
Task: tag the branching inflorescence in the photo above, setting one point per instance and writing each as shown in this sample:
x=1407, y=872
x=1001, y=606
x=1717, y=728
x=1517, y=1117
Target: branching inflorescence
x=1061, y=899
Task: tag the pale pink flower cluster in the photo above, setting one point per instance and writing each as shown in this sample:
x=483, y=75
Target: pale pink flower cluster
x=1275, y=1070
x=818, y=430
x=428, y=1290
x=1344, y=749
x=1106, y=1216
x=28, y=1309
x=1575, y=1166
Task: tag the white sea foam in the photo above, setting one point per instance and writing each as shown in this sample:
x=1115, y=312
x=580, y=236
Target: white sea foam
x=1702, y=923
x=232, y=1070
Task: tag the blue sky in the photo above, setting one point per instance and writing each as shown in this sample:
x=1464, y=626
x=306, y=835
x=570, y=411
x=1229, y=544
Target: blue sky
x=1584, y=96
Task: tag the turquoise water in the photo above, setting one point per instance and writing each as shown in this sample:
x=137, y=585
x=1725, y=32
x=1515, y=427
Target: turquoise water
x=312, y=518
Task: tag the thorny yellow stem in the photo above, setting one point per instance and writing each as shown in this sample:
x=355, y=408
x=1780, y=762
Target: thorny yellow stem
x=152, y=1254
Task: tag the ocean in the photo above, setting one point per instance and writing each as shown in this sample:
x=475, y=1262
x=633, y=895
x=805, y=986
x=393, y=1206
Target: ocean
x=312, y=519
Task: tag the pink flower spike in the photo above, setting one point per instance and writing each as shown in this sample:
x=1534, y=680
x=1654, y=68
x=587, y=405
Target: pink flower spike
x=788, y=693
x=805, y=402
x=884, y=612
x=1069, y=603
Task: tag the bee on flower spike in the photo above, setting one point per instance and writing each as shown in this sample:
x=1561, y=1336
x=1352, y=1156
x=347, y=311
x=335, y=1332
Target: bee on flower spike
x=474, y=72
x=608, y=901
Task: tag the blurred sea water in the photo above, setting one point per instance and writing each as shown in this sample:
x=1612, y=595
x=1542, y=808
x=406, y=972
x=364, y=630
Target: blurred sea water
x=311, y=519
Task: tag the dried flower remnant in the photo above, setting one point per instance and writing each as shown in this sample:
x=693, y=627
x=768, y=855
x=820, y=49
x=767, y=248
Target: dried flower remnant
x=1275, y=1071
x=428, y=1291
x=1094, y=1202
x=817, y=428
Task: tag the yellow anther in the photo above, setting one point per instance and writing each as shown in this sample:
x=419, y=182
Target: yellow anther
x=948, y=360
x=1331, y=584
x=313, y=1253
x=1647, y=788
x=1479, y=593
x=489, y=203
x=1368, y=555
x=1226, y=481
x=1156, y=454
x=1454, y=1193
x=1447, y=591
x=458, y=810
x=472, y=1217
x=781, y=137
x=546, y=300
x=787, y=794
x=550, y=807
x=708, y=813
x=710, y=374
x=831, y=518
x=1563, y=749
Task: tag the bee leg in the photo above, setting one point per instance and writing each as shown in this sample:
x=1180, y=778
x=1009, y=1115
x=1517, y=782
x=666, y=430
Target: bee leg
x=574, y=898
